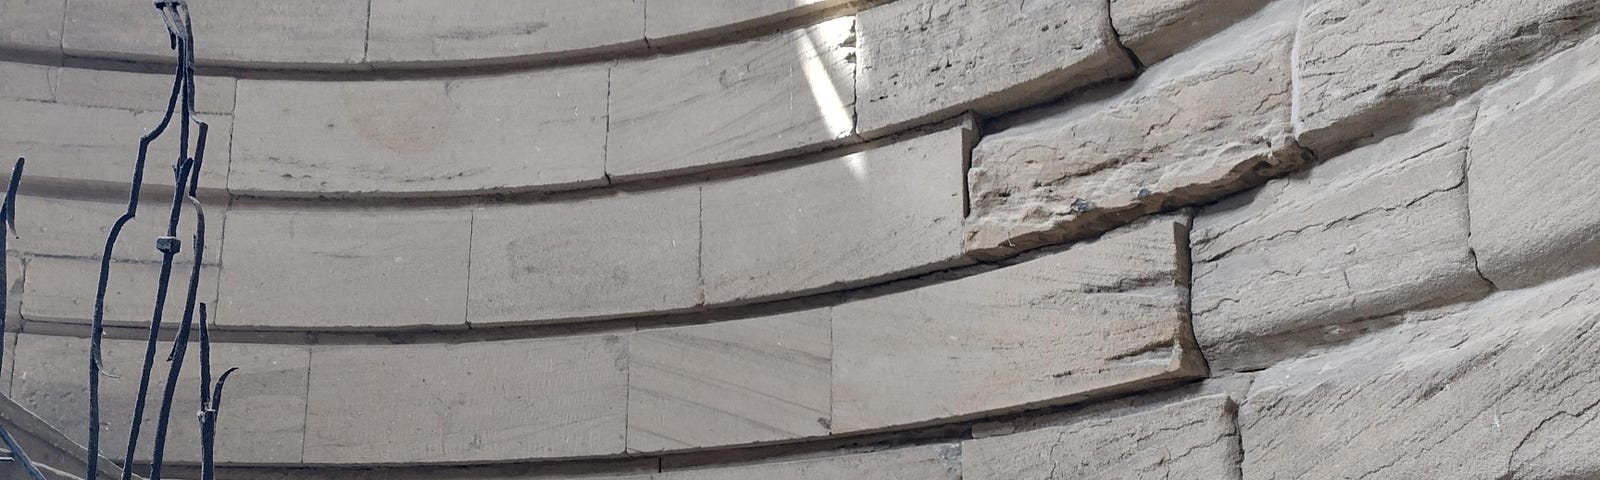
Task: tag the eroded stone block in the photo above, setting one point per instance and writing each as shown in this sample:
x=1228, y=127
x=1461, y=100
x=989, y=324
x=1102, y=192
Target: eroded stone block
x=32, y=25
x=894, y=210
x=465, y=30
x=1191, y=439
x=681, y=20
x=927, y=60
x=145, y=92
x=71, y=228
x=25, y=81
x=929, y=462
x=98, y=145
x=285, y=32
x=1104, y=316
x=1194, y=128
x=728, y=383
x=63, y=290
x=1155, y=29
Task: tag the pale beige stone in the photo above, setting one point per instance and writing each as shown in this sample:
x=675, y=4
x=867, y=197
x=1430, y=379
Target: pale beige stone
x=96, y=146
x=324, y=33
x=27, y=82
x=1374, y=231
x=727, y=383
x=1102, y=317
x=63, y=290
x=483, y=401
x=461, y=31
x=681, y=20
x=32, y=25
x=1155, y=29
x=292, y=267
x=1194, y=128
x=1191, y=439
x=613, y=256
x=739, y=103
x=928, y=462
x=263, y=409
x=926, y=60
x=891, y=211
x=57, y=456
x=1364, y=66
x=528, y=131
x=143, y=92
x=64, y=227
x=1534, y=161
x=1502, y=390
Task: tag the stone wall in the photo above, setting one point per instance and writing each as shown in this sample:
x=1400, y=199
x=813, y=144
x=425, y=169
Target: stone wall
x=888, y=239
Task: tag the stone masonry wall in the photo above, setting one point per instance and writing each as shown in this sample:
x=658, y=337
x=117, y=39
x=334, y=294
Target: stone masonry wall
x=827, y=239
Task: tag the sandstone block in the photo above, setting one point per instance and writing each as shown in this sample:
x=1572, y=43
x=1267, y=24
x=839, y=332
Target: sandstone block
x=262, y=420
x=1105, y=316
x=1156, y=29
x=484, y=401
x=1371, y=232
x=1533, y=162
x=32, y=25
x=1366, y=65
x=929, y=462
x=97, y=145
x=284, y=33
x=1191, y=439
x=739, y=103
x=537, y=130
x=62, y=227
x=1499, y=390
x=144, y=92
x=1191, y=129
x=346, y=268
x=741, y=381
x=62, y=290
x=891, y=211
x=591, y=258
x=27, y=82
x=680, y=20
x=927, y=60
x=428, y=31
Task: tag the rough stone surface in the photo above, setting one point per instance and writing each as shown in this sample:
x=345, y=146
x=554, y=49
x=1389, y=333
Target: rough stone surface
x=591, y=258
x=31, y=25
x=347, y=268
x=1534, y=159
x=925, y=60
x=521, y=399
x=62, y=290
x=930, y=462
x=1155, y=29
x=430, y=31
x=97, y=145
x=1374, y=231
x=1102, y=317
x=894, y=210
x=283, y=32
x=1365, y=65
x=63, y=227
x=1502, y=390
x=1191, y=439
x=1191, y=129
x=26, y=81
x=677, y=20
x=537, y=130
x=741, y=381
x=734, y=104
x=145, y=92
x=264, y=418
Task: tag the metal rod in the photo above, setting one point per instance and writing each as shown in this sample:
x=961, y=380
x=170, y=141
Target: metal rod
x=20, y=456
x=8, y=221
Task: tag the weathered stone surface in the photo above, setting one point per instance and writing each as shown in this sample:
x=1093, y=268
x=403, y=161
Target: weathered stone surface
x=146, y=93
x=678, y=20
x=429, y=31
x=284, y=32
x=536, y=130
x=1191, y=439
x=65, y=227
x=63, y=289
x=929, y=462
x=97, y=145
x=740, y=103
x=1502, y=390
x=1191, y=129
x=1534, y=162
x=894, y=210
x=52, y=451
x=31, y=25
x=263, y=420
x=926, y=60
x=591, y=258
x=522, y=399
x=1367, y=65
x=727, y=383
x=1105, y=316
x=1155, y=29
x=297, y=268
x=26, y=81
x=1371, y=232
